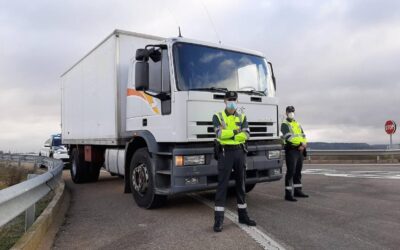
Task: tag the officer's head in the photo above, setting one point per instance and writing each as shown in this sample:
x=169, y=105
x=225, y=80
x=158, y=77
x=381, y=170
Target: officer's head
x=290, y=112
x=231, y=101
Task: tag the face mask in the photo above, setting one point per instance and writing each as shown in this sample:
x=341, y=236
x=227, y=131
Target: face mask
x=291, y=115
x=231, y=105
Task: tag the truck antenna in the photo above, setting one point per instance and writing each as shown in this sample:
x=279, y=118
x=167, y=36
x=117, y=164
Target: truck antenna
x=211, y=21
x=179, y=29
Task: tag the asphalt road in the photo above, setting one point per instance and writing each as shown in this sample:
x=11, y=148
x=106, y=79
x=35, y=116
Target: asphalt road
x=351, y=207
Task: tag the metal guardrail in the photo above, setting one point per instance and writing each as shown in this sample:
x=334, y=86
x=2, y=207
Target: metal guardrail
x=361, y=152
x=20, y=197
x=19, y=158
x=379, y=155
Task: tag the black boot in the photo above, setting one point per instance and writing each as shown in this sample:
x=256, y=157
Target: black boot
x=244, y=218
x=288, y=196
x=219, y=221
x=299, y=193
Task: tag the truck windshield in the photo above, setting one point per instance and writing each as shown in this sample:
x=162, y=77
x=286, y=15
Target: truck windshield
x=206, y=68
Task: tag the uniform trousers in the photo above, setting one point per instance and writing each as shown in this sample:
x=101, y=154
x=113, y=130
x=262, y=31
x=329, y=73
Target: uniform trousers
x=294, y=164
x=228, y=160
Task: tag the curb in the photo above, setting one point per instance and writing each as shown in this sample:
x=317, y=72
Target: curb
x=42, y=233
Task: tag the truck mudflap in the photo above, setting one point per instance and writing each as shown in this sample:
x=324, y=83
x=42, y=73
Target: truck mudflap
x=259, y=168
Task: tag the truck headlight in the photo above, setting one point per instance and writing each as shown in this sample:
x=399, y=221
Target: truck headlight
x=190, y=160
x=274, y=154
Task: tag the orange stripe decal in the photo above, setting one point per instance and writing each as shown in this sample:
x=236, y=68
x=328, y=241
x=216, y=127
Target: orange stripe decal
x=145, y=97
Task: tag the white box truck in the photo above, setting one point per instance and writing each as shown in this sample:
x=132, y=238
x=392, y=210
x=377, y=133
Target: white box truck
x=141, y=106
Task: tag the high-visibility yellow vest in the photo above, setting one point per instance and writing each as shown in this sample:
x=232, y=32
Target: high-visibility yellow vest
x=296, y=135
x=225, y=134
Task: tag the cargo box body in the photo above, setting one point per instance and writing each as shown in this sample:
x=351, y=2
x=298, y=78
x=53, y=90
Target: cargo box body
x=94, y=91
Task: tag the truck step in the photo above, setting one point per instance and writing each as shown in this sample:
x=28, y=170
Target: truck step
x=166, y=172
x=164, y=153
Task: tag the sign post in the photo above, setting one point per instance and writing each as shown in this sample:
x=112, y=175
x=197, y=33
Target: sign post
x=390, y=128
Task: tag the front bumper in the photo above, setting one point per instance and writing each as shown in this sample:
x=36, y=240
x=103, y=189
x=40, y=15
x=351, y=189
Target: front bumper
x=204, y=177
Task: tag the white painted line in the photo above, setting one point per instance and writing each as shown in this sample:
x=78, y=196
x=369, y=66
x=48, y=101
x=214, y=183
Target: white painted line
x=369, y=174
x=261, y=238
x=352, y=164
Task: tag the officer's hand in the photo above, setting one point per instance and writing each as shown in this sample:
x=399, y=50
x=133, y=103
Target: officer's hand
x=304, y=144
x=301, y=148
x=241, y=137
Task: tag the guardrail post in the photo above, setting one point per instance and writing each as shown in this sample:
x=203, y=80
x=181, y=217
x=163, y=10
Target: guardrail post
x=377, y=159
x=30, y=212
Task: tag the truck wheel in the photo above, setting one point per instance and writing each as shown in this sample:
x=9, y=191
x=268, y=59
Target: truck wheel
x=249, y=187
x=141, y=181
x=79, y=171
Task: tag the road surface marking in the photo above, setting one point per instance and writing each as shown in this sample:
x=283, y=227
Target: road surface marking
x=352, y=164
x=393, y=175
x=261, y=238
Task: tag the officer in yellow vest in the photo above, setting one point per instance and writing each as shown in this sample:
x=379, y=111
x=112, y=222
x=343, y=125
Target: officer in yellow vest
x=295, y=151
x=232, y=132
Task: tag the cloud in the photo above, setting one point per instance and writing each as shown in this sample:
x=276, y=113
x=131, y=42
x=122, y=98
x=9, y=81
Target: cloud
x=210, y=57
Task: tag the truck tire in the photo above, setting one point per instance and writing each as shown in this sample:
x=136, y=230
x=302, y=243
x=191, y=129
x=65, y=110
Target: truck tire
x=249, y=187
x=141, y=181
x=79, y=170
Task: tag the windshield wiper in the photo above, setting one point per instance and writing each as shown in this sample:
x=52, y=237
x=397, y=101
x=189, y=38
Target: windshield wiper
x=214, y=89
x=250, y=92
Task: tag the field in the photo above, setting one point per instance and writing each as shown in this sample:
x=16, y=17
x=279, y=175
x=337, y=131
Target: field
x=11, y=173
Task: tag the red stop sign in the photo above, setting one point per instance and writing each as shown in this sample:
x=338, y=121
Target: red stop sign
x=390, y=127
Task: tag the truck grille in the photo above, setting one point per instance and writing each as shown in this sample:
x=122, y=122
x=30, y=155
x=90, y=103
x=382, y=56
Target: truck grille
x=257, y=129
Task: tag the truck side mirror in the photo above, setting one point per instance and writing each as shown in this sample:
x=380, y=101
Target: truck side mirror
x=142, y=75
x=272, y=74
x=155, y=55
x=142, y=55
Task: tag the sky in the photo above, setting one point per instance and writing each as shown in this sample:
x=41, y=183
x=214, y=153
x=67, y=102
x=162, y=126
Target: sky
x=337, y=62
